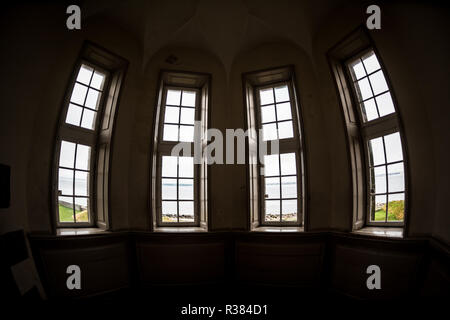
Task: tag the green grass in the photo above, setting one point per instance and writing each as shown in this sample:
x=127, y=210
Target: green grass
x=66, y=214
x=396, y=211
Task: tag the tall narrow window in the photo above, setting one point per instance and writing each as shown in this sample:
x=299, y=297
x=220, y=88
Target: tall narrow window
x=85, y=131
x=373, y=127
x=179, y=183
x=275, y=118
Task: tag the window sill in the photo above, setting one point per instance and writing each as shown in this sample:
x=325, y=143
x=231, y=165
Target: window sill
x=278, y=229
x=79, y=231
x=180, y=229
x=381, y=232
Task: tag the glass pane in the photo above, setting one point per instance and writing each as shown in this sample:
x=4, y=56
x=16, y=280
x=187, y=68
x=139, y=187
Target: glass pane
x=65, y=181
x=81, y=210
x=385, y=104
x=288, y=163
x=188, y=99
x=93, y=99
x=186, y=211
x=364, y=89
x=169, y=166
x=272, y=188
x=284, y=111
x=269, y=131
x=379, y=174
x=169, y=211
x=289, y=187
x=396, y=177
x=84, y=75
x=393, y=145
x=83, y=157
x=271, y=165
x=170, y=132
x=272, y=210
x=78, y=94
x=169, y=189
x=285, y=130
x=396, y=207
x=378, y=82
x=281, y=94
x=173, y=97
x=67, y=154
x=186, y=189
x=81, y=183
x=98, y=80
x=369, y=110
x=371, y=62
x=187, y=115
x=289, y=210
x=376, y=151
x=268, y=114
x=187, y=133
x=74, y=115
x=65, y=209
x=172, y=114
x=378, y=208
x=357, y=70
x=266, y=96
x=88, y=120
x=186, y=167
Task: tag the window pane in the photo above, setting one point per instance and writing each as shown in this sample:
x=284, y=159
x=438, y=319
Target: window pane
x=378, y=82
x=288, y=163
x=393, y=147
x=268, y=114
x=396, y=177
x=83, y=157
x=289, y=187
x=266, y=96
x=379, y=174
x=187, y=133
x=186, y=167
x=357, y=70
x=271, y=165
x=281, y=94
x=93, y=99
x=169, y=166
x=84, y=75
x=376, y=151
x=81, y=183
x=74, y=115
x=371, y=63
x=272, y=188
x=272, y=210
x=170, y=132
x=378, y=208
x=188, y=99
x=186, y=189
x=396, y=207
x=81, y=210
x=289, y=210
x=65, y=209
x=88, y=120
x=98, y=80
x=67, y=154
x=369, y=110
x=284, y=111
x=269, y=131
x=186, y=211
x=169, y=211
x=385, y=104
x=78, y=94
x=285, y=130
x=65, y=181
x=364, y=89
x=173, y=97
x=172, y=114
x=187, y=115
x=169, y=189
